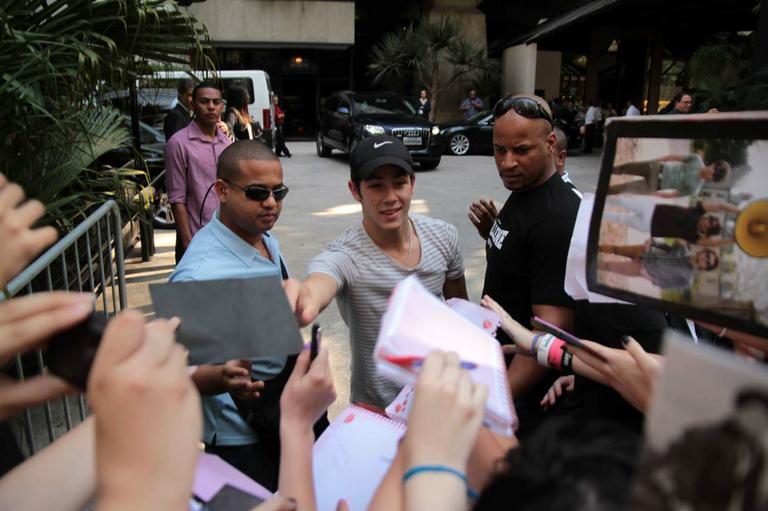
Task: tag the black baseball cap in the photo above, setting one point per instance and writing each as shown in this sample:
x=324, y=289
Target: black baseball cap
x=376, y=151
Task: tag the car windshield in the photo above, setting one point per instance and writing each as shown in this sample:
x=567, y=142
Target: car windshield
x=382, y=104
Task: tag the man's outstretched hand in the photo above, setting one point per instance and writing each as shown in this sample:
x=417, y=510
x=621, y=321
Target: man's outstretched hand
x=482, y=214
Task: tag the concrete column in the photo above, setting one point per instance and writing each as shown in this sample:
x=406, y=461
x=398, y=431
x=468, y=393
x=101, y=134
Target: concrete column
x=593, y=67
x=548, y=65
x=656, y=51
x=471, y=23
x=518, y=64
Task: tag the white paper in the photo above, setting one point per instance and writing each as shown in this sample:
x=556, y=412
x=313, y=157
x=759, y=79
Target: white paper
x=699, y=385
x=576, y=265
x=352, y=456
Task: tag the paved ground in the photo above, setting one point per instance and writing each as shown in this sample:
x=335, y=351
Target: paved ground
x=319, y=207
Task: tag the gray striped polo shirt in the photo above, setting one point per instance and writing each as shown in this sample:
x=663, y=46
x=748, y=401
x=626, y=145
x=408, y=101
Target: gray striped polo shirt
x=365, y=276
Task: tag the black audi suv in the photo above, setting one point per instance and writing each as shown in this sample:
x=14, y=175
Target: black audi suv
x=347, y=117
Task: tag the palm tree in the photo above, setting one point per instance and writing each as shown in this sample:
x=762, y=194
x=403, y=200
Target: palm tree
x=58, y=59
x=422, y=53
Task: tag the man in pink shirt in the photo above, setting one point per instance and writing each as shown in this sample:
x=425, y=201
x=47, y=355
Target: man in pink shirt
x=191, y=156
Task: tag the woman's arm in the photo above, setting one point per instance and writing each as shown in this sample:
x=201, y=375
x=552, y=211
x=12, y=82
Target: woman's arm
x=716, y=206
x=67, y=467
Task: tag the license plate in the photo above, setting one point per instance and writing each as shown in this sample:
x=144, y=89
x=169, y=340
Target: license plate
x=412, y=140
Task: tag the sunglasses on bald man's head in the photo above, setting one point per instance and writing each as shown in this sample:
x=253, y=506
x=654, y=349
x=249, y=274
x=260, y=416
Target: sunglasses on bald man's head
x=260, y=193
x=527, y=107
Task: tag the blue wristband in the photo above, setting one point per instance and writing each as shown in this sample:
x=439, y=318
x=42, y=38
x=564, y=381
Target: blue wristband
x=418, y=469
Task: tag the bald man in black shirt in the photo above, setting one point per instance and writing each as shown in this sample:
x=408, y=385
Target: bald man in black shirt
x=527, y=246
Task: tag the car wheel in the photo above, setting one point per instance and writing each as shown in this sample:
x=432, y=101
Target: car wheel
x=459, y=144
x=430, y=164
x=162, y=214
x=322, y=149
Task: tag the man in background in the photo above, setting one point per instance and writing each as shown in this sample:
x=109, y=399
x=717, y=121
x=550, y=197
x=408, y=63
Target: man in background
x=425, y=106
x=191, y=157
x=181, y=114
x=280, y=148
x=472, y=104
x=683, y=102
x=632, y=110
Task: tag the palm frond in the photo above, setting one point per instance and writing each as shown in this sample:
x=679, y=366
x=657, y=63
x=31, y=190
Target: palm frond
x=437, y=36
x=424, y=51
x=56, y=56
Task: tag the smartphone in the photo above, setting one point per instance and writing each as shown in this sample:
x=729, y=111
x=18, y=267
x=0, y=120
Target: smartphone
x=70, y=353
x=314, y=344
x=545, y=326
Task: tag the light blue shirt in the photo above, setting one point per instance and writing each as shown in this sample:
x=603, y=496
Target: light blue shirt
x=218, y=253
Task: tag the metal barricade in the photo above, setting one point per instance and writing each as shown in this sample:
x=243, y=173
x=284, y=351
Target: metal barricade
x=89, y=258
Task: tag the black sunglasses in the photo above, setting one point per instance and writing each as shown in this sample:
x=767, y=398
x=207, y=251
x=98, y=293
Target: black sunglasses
x=526, y=107
x=260, y=193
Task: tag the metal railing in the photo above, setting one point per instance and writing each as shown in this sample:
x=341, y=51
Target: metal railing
x=87, y=259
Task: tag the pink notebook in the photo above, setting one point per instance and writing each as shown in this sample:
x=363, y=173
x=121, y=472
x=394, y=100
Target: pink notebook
x=417, y=323
x=213, y=473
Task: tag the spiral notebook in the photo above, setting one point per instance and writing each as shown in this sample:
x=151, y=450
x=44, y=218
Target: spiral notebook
x=352, y=455
x=417, y=323
x=478, y=315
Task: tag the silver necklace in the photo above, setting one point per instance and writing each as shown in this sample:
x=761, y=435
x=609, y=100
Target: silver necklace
x=410, y=234
x=410, y=239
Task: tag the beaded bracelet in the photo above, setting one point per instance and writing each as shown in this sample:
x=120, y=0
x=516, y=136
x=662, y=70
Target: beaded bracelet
x=420, y=469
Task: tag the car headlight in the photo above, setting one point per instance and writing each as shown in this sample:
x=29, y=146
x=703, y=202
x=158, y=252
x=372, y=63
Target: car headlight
x=373, y=129
x=435, y=130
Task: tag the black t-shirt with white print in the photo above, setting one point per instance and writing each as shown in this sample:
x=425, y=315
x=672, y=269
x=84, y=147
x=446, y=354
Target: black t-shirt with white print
x=526, y=254
x=527, y=249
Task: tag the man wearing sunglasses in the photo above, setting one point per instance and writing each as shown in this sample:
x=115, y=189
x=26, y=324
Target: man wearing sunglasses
x=527, y=246
x=362, y=266
x=483, y=212
x=237, y=243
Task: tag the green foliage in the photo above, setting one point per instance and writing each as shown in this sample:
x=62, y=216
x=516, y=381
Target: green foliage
x=721, y=76
x=421, y=53
x=487, y=84
x=57, y=57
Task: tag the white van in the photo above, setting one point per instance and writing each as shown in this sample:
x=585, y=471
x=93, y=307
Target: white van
x=255, y=81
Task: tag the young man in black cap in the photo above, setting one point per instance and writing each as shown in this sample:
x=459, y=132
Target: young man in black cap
x=362, y=266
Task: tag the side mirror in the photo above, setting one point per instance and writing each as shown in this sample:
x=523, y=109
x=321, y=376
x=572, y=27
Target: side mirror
x=343, y=110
